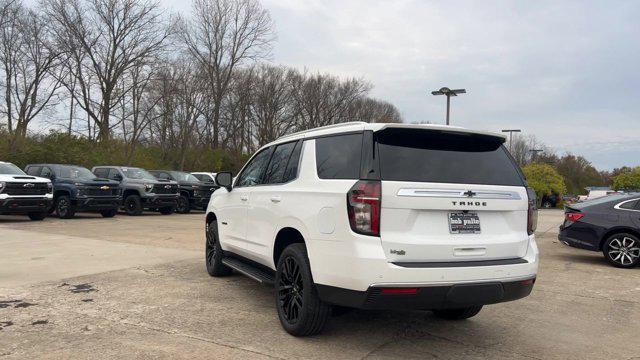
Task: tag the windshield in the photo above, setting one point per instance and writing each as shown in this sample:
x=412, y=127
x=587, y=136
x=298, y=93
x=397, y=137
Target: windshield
x=137, y=173
x=75, y=172
x=183, y=176
x=445, y=157
x=10, y=169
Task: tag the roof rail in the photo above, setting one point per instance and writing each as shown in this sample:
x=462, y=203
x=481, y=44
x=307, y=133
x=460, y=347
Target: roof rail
x=322, y=128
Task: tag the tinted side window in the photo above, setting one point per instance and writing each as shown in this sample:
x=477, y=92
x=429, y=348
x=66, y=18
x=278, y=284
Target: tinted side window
x=252, y=173
x=163, y=175
x=278, y=163
x=631, y=205
x=46, y=172
x=114, y=174
x=338, y=157
x=101, y=173
x=34, y=170
x=292, y=167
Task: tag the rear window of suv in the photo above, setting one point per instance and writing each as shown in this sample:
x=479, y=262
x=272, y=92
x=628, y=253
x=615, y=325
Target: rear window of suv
x=338, y=157
x=444, y=157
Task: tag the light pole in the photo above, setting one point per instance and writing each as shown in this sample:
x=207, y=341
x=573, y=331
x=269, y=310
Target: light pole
x=511, y=131
x=535, y=154
x=448, y=93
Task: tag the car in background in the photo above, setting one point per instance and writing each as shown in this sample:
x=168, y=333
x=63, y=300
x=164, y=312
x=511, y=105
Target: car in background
x=22, y=194
x=595, y=193
x=194, y=194
x=76, y=188
x=207, y=177
x=609, y=224
x=141, y=190
x=549, y=201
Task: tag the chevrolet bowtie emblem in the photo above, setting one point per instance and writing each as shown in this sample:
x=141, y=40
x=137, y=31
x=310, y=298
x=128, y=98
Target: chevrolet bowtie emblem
x=104, y=188
x=469, y=193
x=28, y=185
x=167, y=186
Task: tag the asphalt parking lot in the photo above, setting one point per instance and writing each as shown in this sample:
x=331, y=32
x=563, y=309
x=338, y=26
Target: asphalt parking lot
x=136, y=287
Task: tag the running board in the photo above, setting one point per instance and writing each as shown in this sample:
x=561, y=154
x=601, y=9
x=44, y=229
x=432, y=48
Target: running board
x=251, y=271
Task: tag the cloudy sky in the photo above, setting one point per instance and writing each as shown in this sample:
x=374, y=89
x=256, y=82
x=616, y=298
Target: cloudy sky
x=566, y=72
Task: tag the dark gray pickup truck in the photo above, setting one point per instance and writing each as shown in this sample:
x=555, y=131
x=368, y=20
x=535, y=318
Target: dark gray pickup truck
x=141, y=190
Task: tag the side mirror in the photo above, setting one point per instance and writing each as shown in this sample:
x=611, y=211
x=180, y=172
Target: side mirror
x=224, y=179
x=117, y=177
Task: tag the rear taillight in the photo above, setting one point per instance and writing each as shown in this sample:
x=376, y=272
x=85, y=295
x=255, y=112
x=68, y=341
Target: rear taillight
x=532, y=212
x=363, y=207
x=573, y=217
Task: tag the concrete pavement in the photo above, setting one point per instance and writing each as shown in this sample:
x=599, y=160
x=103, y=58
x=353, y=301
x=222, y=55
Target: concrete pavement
x=155, y=300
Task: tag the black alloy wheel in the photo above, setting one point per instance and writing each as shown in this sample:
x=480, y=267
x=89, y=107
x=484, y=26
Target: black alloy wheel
x=213, y=252
x=133, y=205
x=290, y=290
x=64, y=207
x=183, y=205
x=300, y=309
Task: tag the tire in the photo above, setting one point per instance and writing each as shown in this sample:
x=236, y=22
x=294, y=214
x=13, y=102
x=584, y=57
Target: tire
x=37, y=216
x=300, y=310
x=547, y=205
x=64, y=208
x=133, y=205
x=183, y=206
x=109, y=213
x=622, y=250
x=458, y=314
x=213, y=252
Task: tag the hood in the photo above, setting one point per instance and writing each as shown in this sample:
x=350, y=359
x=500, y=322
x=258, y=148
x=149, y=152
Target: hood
x=190, y=183
x=154, y=182
x=23, y=179
x=94, y=182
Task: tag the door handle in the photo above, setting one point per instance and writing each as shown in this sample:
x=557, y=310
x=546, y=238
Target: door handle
x=244, y=197
x=276, y=199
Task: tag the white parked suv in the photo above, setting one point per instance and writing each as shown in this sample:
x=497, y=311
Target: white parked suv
x=377, y=216
x=23, y=194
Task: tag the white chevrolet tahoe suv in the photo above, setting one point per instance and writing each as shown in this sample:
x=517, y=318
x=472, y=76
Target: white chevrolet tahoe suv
x=377, y=216
x=23, y=194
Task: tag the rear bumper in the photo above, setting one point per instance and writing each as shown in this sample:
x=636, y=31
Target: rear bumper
x=98, y=204
x=23, y=205
x=360, y=264
x=429, y=297
x=567, y=239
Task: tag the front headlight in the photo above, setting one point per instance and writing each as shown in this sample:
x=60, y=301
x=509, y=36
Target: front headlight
x=49, y=188
x=148, y=187
x=1, y=186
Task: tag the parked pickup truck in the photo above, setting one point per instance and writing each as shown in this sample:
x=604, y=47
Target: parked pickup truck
x=22, y=194
x=76, y=189
x=141, y=190
x=194, y=194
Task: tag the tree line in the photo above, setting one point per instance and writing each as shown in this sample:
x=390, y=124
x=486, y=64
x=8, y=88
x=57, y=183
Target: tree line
x=576, y=171
x=139, y=85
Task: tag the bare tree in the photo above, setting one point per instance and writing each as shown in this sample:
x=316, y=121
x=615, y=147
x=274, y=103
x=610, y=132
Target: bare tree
x=103, y=39
x=323, y=99
x=373, y=111
x=29, y=63
x=222, y=35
